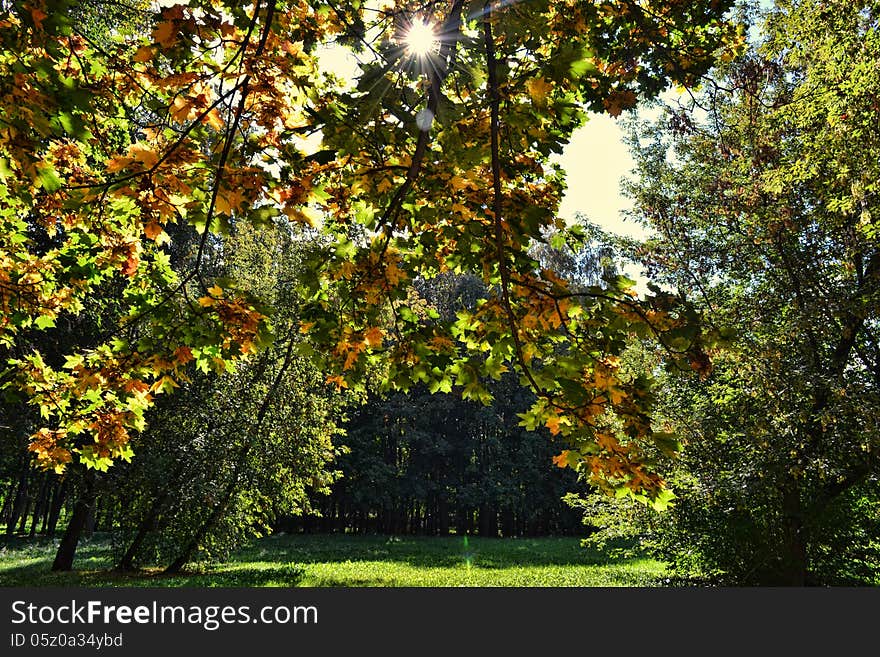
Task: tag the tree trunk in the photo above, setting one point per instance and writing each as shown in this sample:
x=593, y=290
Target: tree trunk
x=28, y=506
x=57, y=505
x=19, y=503
x=126, y=563
x=215, y=516
x=488, y=521
x=795, y=563
x=40, y=504
x=443, y=512
x=84, y=504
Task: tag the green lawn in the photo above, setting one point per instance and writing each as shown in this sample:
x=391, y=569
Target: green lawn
x=346, y=560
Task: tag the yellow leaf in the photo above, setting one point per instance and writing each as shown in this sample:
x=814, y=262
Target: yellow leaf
x=144, y=155
x=303, y=215
x=553, y=424
x=180, y=109
x=384, y=185
x=338, y=380
x=538, y=89
x=117, y=163
x=462, y=210
x=215, y=291
x=458, y=183
x=350, y=359
x=206, y=301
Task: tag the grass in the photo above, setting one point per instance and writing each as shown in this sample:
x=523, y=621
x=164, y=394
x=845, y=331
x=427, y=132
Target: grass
x=348, y=561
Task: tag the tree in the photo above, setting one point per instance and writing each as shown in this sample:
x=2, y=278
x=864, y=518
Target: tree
x=426, y=463
x=224, y=457
x=434, y=161
x=766, y=211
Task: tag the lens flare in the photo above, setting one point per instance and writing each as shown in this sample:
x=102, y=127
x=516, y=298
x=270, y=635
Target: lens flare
x=420, y=39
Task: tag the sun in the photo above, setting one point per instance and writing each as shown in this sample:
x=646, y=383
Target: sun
x=420, y=38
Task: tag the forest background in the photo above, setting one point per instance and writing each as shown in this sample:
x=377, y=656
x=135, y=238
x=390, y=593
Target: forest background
x=243, y=294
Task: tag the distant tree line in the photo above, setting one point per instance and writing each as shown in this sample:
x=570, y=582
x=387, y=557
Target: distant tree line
x=428, y=464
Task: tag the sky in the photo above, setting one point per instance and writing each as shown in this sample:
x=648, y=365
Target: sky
x=595, y=161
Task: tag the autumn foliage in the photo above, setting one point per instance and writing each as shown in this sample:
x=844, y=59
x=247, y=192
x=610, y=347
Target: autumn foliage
x=207, y=118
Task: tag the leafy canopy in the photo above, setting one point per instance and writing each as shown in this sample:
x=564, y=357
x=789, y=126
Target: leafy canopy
x=428, y=163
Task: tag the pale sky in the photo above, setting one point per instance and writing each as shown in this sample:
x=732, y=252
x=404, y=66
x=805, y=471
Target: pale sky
x=595, y=161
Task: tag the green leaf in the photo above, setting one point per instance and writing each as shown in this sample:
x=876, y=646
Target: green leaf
x=47, y=177
x=44, y=321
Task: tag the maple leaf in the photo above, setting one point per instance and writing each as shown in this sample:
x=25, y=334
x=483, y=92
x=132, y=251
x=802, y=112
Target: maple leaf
x=538, y=89
x=165, y=34
x=458, y=183
x=38, y=16
x=338, y=380
x=183, y=355
x=152, y=230
x=373, y=337
x=553, y=424
x=131, y=265
x=143, y=54
x=350, y=359
x=618, y=101
x=117, y=163
x=145, y=155
x=180, y=109
x=213, y=119
x=384, y=185
x=229, y=200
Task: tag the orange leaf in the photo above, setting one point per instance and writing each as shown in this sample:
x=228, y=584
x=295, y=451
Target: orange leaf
x=117, y=163
x=38, y=16
x=165, y=34
x=143, y=54
x=152, y=230
x=183, y=355
x=144, y=155
x=130, y=266
x=213, y=119
x=180, y=109
x=373, y=337
x=338, y=380
x=618, y=101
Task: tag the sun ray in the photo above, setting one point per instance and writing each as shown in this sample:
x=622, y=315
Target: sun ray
x=420, y=38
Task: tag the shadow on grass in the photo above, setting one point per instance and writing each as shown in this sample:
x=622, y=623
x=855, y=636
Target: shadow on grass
x=28, y=562
x=285, y=560
x=433, y=552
